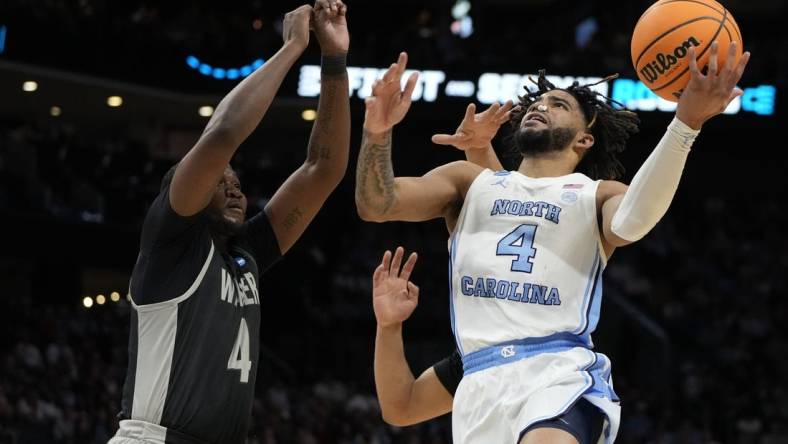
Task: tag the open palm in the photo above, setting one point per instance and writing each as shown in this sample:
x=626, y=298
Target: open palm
x=389, y=103
x=476, y=130
x=394, y=297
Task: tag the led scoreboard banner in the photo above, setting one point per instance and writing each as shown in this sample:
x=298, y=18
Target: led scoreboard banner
x=224, y=72
x=495, y=87
x=3, y=31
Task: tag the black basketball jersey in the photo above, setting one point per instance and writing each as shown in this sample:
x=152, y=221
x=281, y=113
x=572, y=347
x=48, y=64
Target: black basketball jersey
x=195, y=326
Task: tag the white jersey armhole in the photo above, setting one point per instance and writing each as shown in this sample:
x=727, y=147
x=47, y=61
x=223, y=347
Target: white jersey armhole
x=597, y=232
x=463, y=210
x=182, y=297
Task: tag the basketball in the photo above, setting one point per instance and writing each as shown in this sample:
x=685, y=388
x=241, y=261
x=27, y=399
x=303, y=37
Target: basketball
x=664, y=34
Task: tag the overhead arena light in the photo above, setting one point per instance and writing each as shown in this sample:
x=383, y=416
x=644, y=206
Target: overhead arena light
x=309, y=115
x=87, y=301
x=55, y=111
x=114, y=101
x=205, y=111
x=462, y=26
x=29, y=86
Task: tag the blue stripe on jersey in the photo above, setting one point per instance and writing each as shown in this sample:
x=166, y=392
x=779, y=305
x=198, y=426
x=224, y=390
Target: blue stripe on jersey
x=594, y=309
x=593, y=278
x=452, y=249
x=512, y=351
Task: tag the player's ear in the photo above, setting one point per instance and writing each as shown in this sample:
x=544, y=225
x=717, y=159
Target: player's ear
x=585, y=141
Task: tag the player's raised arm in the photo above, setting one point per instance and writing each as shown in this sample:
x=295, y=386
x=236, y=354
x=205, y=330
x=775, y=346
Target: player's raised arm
x=236, y=116
x=629, y=214
x=380, y=196
x=475, y=133
x=298, y=200
x=403, y=399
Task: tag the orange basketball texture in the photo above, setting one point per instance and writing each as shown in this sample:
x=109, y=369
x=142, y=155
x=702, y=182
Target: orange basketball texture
x=664, y=33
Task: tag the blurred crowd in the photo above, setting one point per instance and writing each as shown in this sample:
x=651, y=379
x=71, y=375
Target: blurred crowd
x=61, y=376
x=53, y=171
x=715, y=284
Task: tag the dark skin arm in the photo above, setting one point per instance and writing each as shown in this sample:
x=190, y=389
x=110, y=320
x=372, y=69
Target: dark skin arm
x=236, y=116
x=298, y=200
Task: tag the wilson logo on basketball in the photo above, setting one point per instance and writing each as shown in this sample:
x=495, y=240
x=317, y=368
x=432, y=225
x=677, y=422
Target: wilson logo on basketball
x=663, y=62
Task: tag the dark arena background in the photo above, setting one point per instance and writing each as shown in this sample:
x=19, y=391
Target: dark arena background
x=98, y=99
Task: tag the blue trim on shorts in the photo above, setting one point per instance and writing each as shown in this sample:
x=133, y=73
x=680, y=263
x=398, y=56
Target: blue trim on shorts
x=600, y=373
x=589, y=383
x=512, y=351
x=583, y=420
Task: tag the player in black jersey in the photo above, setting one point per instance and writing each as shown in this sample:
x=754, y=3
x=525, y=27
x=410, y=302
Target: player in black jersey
x=195, y=323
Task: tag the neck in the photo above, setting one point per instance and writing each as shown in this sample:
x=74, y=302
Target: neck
x=547, y=165
x=220, y=240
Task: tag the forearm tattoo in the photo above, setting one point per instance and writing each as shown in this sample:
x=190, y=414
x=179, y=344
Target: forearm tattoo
x=375, y=174
x=292, y=218
x=320, y=143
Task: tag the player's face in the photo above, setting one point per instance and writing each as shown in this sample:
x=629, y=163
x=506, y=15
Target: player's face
x=228, y=205
x=550, y=124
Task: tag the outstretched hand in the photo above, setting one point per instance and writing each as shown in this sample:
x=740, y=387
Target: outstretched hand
x=394, y=297
x=330, y=25
x=707, y=95
x=389, y=103
x=476, y=131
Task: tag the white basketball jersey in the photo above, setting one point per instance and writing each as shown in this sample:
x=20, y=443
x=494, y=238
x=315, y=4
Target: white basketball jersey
x=526, y=260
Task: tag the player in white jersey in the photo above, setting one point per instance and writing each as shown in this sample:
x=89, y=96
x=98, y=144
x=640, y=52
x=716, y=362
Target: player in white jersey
x=528, y=247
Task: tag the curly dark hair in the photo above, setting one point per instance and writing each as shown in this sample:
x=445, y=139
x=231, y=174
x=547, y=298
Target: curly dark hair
x=610, y=126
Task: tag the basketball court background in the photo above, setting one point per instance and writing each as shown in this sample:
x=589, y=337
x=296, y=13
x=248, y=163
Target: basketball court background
x=693, y=316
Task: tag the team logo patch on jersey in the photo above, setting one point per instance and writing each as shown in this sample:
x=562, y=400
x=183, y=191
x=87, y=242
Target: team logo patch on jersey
x=569, y=197
x=508, y=351
x=241, y=261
